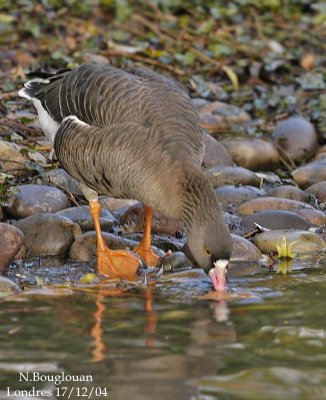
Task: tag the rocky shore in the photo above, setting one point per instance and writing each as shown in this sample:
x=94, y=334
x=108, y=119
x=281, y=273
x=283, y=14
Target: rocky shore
x=46, y=219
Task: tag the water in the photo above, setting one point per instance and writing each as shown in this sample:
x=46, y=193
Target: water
x=162, y=342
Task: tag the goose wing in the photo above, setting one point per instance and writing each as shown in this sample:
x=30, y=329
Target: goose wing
x=101, y=96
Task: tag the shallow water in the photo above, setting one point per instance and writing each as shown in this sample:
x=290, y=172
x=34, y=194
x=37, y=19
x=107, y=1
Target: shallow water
x=267, y=341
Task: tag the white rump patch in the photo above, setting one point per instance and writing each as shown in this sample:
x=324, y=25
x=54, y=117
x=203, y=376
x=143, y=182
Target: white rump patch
x=75, y=119
x=47, y=123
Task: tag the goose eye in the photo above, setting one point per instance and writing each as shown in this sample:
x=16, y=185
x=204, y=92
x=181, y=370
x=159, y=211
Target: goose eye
x=208, y=253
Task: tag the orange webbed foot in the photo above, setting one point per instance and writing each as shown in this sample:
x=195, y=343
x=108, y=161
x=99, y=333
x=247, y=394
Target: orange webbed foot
x=147, y=255
x=117, y=263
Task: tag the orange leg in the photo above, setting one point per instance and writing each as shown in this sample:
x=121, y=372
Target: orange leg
x=144, y=248
x=112, y=263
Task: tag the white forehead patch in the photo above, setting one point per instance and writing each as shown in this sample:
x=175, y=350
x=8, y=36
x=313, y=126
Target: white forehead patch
x=221, y=264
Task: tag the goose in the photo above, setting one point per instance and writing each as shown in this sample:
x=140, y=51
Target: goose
x=134, y=134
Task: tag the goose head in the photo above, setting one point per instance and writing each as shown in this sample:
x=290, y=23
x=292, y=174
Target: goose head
x=209, y=245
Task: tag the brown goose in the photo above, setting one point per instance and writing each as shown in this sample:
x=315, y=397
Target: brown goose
x=135, y=135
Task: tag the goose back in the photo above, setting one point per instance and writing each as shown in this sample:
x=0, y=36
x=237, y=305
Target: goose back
x=101, y=96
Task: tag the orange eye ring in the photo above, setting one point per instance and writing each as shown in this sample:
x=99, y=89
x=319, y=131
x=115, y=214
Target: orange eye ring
x=208, y=253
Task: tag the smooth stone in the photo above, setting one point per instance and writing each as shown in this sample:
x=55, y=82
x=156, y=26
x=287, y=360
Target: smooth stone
x=60, y=178
x=37, y=157
x=253, y=153
x=81, y=216
x=244, y=250
x=11, y=159
x=48, y=234
x=321, y=153
x=8, y=286
x=84, y=247
x=297, y=137
x=216, y=114
x=115, y=204
x=174, y=262
x=233, y=196
x=220, y=176
x=199, y=102
x=245, y=259
x=133, y=221
x=311, y=173
x=306, y=242
x=215, y=153
x=12, y=239
x=289, y=192
x=35, y=199
x=308, y=212
x=319, y=191
x=275, y=219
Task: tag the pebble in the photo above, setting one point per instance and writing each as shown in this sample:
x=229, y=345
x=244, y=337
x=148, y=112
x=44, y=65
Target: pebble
x=311, y=173
x=254, y=154
x=297, y=137
x=215, y=153
x=81, y=216
x=220, y=176
x=48, y=234
x=308, y=212
x=59, y=177
x=275, y=219
x=231, y=196
x=84, y=247
x=216, y=114
x=12, y=239
x=319, y=191
x=289, y=192
x=7, y=286
x=15, y=161
x=35, y=199
x=132, y=220
x=305, y=242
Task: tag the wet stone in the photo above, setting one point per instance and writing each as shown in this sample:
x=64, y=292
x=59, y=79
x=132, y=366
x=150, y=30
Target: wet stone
x=220, y=176
x=59, y=177
x=297, y=137
x=289, y=192
x=245, y=259
x=7, y=286
x=81, y=216
x=48, y=234
x=252, y=153
x=35, y=199
x=215, y=153
x=232, y=196
x=11, y=241
x=300, y=242
x=174, y=262
x=275, y=219
x=319, y=191
x=311, y=173
x=312, y=215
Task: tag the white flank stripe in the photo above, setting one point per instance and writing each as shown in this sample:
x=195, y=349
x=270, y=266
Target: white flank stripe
x=75, y=119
